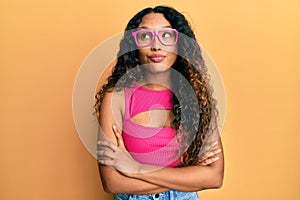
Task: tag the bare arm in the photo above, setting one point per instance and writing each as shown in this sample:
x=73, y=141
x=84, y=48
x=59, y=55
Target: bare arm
x=192, y=178
x=112, y=180
x=125, y=175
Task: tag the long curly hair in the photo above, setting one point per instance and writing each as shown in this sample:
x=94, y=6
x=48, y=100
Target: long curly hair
x=195, y=121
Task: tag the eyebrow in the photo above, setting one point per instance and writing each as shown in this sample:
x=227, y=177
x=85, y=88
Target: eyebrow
x=146, y=27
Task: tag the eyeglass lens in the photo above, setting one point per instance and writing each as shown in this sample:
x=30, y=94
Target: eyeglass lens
x=166, y=37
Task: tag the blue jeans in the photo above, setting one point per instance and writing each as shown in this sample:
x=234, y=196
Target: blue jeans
x=168, y=195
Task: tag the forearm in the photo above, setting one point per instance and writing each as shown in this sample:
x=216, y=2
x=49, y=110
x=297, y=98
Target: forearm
x=116, y=183
x=193, y=178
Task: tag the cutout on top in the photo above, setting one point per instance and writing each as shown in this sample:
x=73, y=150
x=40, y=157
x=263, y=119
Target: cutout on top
x=156, y=118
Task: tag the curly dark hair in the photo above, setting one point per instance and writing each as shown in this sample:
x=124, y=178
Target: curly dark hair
x=195, y=121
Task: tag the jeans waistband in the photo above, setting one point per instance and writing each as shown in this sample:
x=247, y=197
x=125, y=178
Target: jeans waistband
x=168, y=195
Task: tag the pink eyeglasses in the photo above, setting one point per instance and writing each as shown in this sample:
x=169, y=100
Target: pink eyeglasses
x=145, y=37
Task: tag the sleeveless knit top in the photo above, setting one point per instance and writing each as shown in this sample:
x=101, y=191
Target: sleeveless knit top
x=149, y=145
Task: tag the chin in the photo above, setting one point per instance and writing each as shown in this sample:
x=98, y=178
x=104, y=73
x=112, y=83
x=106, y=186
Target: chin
x=156, y=67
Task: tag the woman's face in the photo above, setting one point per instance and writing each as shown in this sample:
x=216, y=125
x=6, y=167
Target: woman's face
x=157, y=56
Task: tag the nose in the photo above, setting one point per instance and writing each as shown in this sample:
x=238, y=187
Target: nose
x=156, y=45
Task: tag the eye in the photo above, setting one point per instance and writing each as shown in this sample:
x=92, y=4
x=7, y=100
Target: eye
x=166, y=35
x=144, y=36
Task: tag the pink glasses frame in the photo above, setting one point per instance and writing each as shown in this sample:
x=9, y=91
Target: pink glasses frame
x=155, y=33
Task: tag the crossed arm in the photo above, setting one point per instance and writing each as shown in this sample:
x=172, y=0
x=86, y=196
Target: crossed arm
x=120, y=173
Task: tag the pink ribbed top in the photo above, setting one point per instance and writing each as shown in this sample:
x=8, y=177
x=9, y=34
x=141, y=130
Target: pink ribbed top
x=149, y=145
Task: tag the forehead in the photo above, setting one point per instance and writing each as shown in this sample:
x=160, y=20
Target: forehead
x=154, y=20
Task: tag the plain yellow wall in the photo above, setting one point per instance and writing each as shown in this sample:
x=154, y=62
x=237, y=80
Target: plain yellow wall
x=255, y=44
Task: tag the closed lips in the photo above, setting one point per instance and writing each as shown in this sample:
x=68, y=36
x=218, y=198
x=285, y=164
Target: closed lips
x=157, y=58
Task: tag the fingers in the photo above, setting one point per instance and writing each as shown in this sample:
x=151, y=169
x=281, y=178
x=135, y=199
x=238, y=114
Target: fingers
x=206, y=149
x=107, y=162
x=209, y=161
x=118, y=135
x=106, y=152
x=212, y=153
x=211, y=156
x=209, y=150
x=106, y=157
x=215, y=144
x=107, y=144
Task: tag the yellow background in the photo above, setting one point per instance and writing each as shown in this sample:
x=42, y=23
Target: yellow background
x=255, y=44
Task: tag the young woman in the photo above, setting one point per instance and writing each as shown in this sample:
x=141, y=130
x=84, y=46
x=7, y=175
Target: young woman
x=159, y=136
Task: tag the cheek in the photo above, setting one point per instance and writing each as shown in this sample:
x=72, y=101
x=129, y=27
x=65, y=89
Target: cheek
x=143, y=55
x=172, y=58
x=172, y=54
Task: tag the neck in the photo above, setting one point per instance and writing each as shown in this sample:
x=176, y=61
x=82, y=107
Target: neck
x=157, y=81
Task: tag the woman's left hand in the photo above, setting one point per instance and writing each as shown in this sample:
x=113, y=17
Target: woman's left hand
x=211, y=156
x=117, y=157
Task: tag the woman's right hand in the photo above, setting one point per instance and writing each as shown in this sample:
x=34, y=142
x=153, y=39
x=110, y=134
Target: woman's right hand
x=116, y=155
